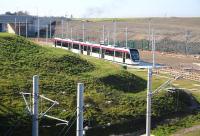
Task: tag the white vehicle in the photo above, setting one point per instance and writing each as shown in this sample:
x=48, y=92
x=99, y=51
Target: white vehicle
x=116, y=54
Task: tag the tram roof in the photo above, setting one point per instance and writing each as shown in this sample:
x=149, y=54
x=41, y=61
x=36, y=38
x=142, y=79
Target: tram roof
x=111, y=48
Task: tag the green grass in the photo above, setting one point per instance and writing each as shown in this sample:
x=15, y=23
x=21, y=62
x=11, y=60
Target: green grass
x=112, y=94
x=192, y=87
x=177, y=124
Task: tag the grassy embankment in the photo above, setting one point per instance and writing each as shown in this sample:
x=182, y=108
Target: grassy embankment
x=112, y=94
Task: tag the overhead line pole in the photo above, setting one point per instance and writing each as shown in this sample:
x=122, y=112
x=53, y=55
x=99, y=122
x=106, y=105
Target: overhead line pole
x=35, y=105
x=153, y=48
x=15, y=25
x=26, y=29
x=149, y=37
x=67, y=29
x=19, y=28
x=71, y=33
x=108, y=37
x=46, y=34
x=62, y=28
x=149, y=94
x=126, y=37
x=79, y=127
x=38, y=35
x=50, y=29
x=103, y=33
x=114, y=36
x=83, y=29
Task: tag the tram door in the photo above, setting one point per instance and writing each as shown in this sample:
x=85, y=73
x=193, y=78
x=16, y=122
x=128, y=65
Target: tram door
x=102, y=53
x=88, y=50
x=124, y=56
x=69, y=46
x=81, y=48
x=55, y=43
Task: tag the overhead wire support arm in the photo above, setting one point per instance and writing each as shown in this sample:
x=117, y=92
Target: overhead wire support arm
x=56, y=118
x=165, y=84
x=49, y=99
x=42, y=114
x=27, y=105
x=35, y=106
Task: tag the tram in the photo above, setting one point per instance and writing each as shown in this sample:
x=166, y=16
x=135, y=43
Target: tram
x=128, y=56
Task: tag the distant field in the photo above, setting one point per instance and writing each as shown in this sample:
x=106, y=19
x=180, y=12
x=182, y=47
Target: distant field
x=171, y=28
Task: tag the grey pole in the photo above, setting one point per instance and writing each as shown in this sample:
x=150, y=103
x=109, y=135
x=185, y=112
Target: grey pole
x=26, y=29
x=83, y=27
x=46, y=34
x=149, y=31
x=38, y=34
x=71, y=33
x=149, y=93
x=153, y=48
x=67, y=29
x=126, y=37
x=62, y=28
x=103, y=33
x=15, y=25
x=35, y=105
x=50, y=29
x=79, y=125
x=108, y=37
x=19, y=29
x=114, y=36
x=187, y=36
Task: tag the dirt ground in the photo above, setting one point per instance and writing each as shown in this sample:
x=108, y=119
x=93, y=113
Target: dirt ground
x=176, y=61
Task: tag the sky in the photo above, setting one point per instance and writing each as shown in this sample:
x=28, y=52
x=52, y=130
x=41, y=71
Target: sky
x=105, y=8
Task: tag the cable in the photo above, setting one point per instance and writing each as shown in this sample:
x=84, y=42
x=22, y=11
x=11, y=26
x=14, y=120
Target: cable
x=70, y=127
x=11, y=130
x=66, y=125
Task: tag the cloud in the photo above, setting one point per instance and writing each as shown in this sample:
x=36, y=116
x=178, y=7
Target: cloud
x=94, y=12
x=102, y=10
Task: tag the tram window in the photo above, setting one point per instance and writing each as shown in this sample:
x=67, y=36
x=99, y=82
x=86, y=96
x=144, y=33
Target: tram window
x=76, y=46
x=88, y=48
x=65, y=44
x=118, y=54
x=95, y=50
x=110, y=53
x=85, y=48
x=58, y=43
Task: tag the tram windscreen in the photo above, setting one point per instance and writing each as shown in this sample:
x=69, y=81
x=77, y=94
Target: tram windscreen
x=134, y=54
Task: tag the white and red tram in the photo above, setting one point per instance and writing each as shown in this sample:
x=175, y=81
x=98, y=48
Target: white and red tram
x=121, y=55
